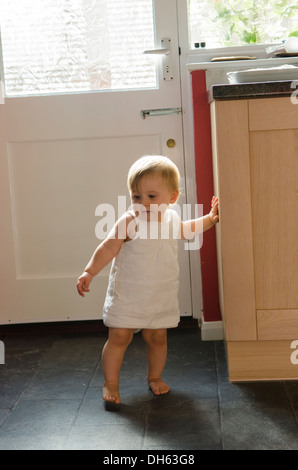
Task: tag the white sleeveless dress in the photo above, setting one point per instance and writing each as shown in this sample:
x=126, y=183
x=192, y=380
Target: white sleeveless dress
x=144, y=278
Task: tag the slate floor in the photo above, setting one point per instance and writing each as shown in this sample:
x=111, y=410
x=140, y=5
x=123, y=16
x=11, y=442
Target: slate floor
x=50, y=398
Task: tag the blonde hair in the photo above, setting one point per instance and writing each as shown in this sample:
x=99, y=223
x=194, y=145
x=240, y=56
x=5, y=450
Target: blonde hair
x=151, y=165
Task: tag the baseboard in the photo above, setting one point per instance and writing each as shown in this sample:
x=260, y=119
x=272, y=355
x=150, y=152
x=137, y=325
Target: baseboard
x=212, y=330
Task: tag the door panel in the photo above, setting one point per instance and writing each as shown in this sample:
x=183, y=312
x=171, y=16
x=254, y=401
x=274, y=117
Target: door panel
x=62, y=156
x=71, y=182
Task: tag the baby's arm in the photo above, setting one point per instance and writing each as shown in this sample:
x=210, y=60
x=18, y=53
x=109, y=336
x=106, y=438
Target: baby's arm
x=104, y=253
x=193, y=227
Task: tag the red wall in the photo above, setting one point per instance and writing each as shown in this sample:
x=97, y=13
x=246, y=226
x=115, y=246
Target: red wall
x=204, y=179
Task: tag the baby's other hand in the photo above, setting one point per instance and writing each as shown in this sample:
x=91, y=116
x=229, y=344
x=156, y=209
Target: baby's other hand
x=213, y=214
x=83, y=283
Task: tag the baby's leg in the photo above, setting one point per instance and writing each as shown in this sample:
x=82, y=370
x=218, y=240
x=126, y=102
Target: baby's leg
x=157, y=355
x=112, y=358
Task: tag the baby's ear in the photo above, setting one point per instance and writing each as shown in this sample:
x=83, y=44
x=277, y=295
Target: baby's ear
x=174, y=196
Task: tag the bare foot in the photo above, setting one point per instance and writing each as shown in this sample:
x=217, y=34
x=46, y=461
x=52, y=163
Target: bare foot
x=110, y=393
x=158, y=386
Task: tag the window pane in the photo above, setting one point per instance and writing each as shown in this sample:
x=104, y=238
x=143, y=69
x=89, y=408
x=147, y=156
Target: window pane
x=221, y=23
x=76, y=45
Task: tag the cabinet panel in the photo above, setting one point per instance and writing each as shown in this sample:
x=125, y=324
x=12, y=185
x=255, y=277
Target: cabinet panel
x=274, y=186
x=262, y=360
x=235, y=245
x=255, y=151
x=272, y=114
x=277, y=324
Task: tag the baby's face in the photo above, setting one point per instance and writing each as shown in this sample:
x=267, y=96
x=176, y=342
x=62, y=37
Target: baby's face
x=152, y=197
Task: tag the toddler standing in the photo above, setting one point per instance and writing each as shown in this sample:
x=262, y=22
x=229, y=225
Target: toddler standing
x=144, y=277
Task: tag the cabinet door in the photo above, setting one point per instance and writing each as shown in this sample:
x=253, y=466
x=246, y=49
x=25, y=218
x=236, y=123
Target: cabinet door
x=274, y=182
x=255, y=148
x=235, y=244
x=274, y=177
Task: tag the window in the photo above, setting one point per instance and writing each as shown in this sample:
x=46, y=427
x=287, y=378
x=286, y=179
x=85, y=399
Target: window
x=53, y=46
x=221, y=23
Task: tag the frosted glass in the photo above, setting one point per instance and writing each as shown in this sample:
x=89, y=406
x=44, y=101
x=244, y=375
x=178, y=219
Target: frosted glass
x=52, y=46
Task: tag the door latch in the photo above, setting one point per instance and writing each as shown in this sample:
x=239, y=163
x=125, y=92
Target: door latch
x=159, y=112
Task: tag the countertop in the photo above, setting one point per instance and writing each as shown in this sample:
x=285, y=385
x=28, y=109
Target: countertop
x=252, y=90
x=241, y=64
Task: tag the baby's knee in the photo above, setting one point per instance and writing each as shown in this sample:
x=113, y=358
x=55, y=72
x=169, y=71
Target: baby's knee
x=155, y=337
x=120, y=336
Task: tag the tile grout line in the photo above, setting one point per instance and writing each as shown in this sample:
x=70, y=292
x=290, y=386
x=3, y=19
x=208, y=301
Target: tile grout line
x=290, y=402
x=218, y=397
x=144, y=433
x=38, y=366
x=82, y=399
x=22, y=392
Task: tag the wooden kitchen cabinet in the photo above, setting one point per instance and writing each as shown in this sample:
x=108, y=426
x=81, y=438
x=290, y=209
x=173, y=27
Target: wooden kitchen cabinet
x=255, y=163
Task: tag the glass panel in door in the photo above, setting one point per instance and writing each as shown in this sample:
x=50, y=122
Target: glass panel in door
x=52, y=46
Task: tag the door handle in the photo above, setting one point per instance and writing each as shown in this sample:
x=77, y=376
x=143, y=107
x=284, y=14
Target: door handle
x=159, y=112
x=157, y=51
x=167, y=61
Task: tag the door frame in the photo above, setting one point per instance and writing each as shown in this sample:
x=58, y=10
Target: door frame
x=189, y=150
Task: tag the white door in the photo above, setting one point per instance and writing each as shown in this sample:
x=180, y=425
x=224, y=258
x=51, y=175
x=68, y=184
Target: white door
x=62, y=155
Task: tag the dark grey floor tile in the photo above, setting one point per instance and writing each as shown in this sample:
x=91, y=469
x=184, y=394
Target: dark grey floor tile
x=131, y=412
x=4, y=412
x=256, y=394
x=291, y=389
x=180, y=419
x=40, y=417
x=199, y=383
x=12, y=384
x=185, y=447
x=246, y=428
x=57, y=383
x=25, y=442
x=74, y=352
x=25, y=353
x=51, y=398
x=109, y=437
x=221, y=360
